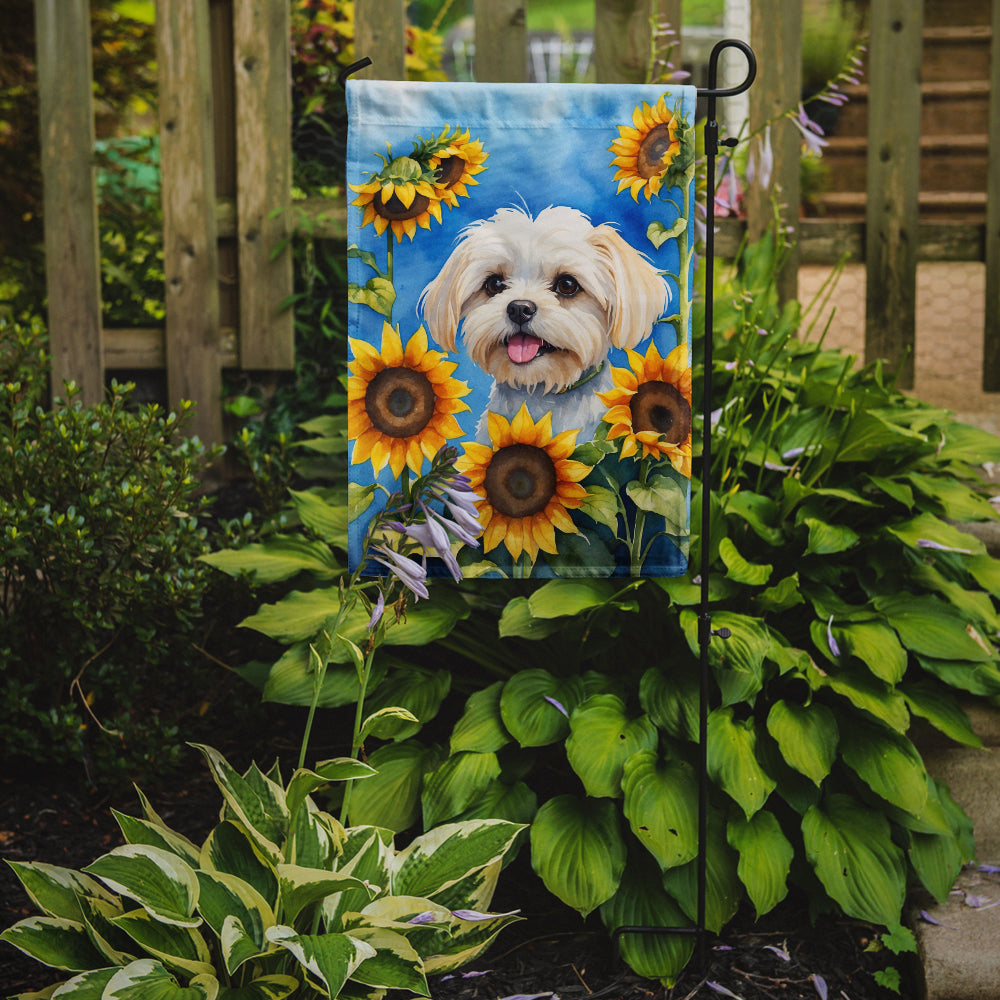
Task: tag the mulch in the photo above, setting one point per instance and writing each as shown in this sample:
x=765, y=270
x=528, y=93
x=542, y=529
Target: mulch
x=551, y=953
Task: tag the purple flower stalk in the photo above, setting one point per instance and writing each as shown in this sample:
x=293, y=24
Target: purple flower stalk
x=811, y=132
x=411, y=574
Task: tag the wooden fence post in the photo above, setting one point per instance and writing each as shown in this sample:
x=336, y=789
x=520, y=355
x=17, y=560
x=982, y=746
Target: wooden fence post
x=776, y=35
x=624, y=37
x=261, y=57
x=72, y=255
x=501, y=41
x=380, y=34
x=893, y=183
x=991, y=332
x=190, y=251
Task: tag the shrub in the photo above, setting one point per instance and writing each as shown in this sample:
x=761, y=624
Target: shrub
x=99, y=542
x=280, y=899
x=854, y=604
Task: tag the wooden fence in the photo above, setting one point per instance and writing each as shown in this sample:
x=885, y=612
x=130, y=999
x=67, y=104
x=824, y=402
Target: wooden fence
x=226, y=162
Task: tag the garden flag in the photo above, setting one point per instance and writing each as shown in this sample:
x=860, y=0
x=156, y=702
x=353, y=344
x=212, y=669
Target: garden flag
x=520, y=261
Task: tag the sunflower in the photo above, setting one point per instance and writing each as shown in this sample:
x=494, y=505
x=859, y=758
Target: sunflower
x=401, y=403
x=402, y=195
x=455, y=165
x=650, y=405
x=528, y=483
x=652, y=153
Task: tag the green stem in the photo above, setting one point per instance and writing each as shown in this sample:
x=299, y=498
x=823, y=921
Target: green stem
x=635, y=544
x=388, y=264
x=356, y=738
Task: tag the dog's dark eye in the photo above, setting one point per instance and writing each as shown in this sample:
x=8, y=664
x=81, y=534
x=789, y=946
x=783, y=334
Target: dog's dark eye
x=494, y=285
x=566, y=285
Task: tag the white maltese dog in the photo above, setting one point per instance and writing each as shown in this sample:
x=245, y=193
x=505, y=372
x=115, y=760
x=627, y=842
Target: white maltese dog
x=541, y=301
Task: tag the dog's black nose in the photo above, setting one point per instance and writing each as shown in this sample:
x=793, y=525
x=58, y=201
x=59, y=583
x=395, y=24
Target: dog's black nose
x=520, y=311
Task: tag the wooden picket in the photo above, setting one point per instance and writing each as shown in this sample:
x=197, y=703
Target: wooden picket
x=226, y=161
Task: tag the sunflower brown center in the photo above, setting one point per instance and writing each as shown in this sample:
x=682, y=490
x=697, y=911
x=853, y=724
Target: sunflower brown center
x=394, y=210
x=661, y=408
x=450, y=170
x=520, y=480
x=654, y=151
x=400, y=401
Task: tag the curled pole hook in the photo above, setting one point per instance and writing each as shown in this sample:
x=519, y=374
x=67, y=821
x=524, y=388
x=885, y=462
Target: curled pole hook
x=353, y=68
x=713, y=91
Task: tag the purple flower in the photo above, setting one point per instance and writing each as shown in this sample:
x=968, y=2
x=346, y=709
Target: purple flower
x=454, y=527
x=427, y=917
x=927, y=543
x=820, y=983
x=377, y=611
x=811, y=132
x=760, y=164
x=719, y=988
x=834, y=648
x=432, y=537
x=558, y=705
x=411, y=574
x=475, y=915
x=780, y=952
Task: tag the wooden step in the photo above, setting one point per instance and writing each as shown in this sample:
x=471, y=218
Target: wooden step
x=945, y=12
x=956, y=53
x=957, y=206
x=947, y=162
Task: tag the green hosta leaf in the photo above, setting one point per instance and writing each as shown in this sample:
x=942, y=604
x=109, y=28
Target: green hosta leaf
x=671, y=700
x=163, y=884
x=260, y=809
x=395, y=964
x=828, y=539
x=516, y=803
x=928, y=528
x=976, y=678
x=888, y=763
x=330, y=959
x=661, y=798
x=867, y=693
x=941, y=709
x=850, y=848
x=937, y=859
x=517, y=620
x=723, y=889
x=418, y=690
x=578, y=851
x=738, y=569
x=760, y=512
x=738, y=661
x=765, y=858
x=230, y=849
x=141, y=831
x=180, y=948
x=807, y=736
x=785, y=594
x=985, y=570
x=301, y=887
x=870, y=436
x=481, y=728
x=279, y=558
x=226, y=898
x=528, y=711
x=304, y=782
x=876, y=646
x=602, y=738
x=275, y=987
x=292, y=680
x=732, y=760
x=438, y=859
x=386, y=723
x=56, y=891
x=641, y=901
x=559, y=598
x=931, y=628
x=54, y=941
x=956, y=500
x=456, y=784
x=391, y=798
x=327, y=520
x=147, y=979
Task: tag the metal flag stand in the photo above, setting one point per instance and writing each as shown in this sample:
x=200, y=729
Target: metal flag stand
x=705, y=630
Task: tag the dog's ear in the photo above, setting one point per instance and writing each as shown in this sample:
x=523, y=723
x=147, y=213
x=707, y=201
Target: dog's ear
x=640, y=291
x=440, y=303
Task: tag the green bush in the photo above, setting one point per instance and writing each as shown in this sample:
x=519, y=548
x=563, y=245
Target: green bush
x=101, y=584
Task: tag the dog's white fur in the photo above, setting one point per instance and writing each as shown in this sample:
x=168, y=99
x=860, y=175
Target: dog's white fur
x=580, y=288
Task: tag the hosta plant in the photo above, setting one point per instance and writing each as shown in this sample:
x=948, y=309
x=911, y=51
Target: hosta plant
x=279, y=900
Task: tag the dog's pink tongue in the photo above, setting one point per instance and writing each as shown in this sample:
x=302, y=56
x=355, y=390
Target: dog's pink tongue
x=523, y=347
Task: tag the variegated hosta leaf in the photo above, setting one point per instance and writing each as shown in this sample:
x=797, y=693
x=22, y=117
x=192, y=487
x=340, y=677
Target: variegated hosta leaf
x=177, y=947
x=149, y=980
x=642, y=902
x=395, y=964
x=141, y=831
x=315, y=838
x=367, y=853
x=301, y=887
x=230, y=849
x=456, y=784
x=850, y=847
x=54, y=941
x=158, y=880
x=467, y=941
x=475, y=891
x=86, y=986
x=304, y=782
x=116, y=947
x=602, y=737
x=732, y=760
x=274, y=987
x=256, y=801
x=329, y=959
x=481, y=727
x=765, y=858
x=661, y=800
x=578, y=851
x=807, y=736
x=56, y=891
x=441, y=857
x=225, y=897
x=723, y=889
